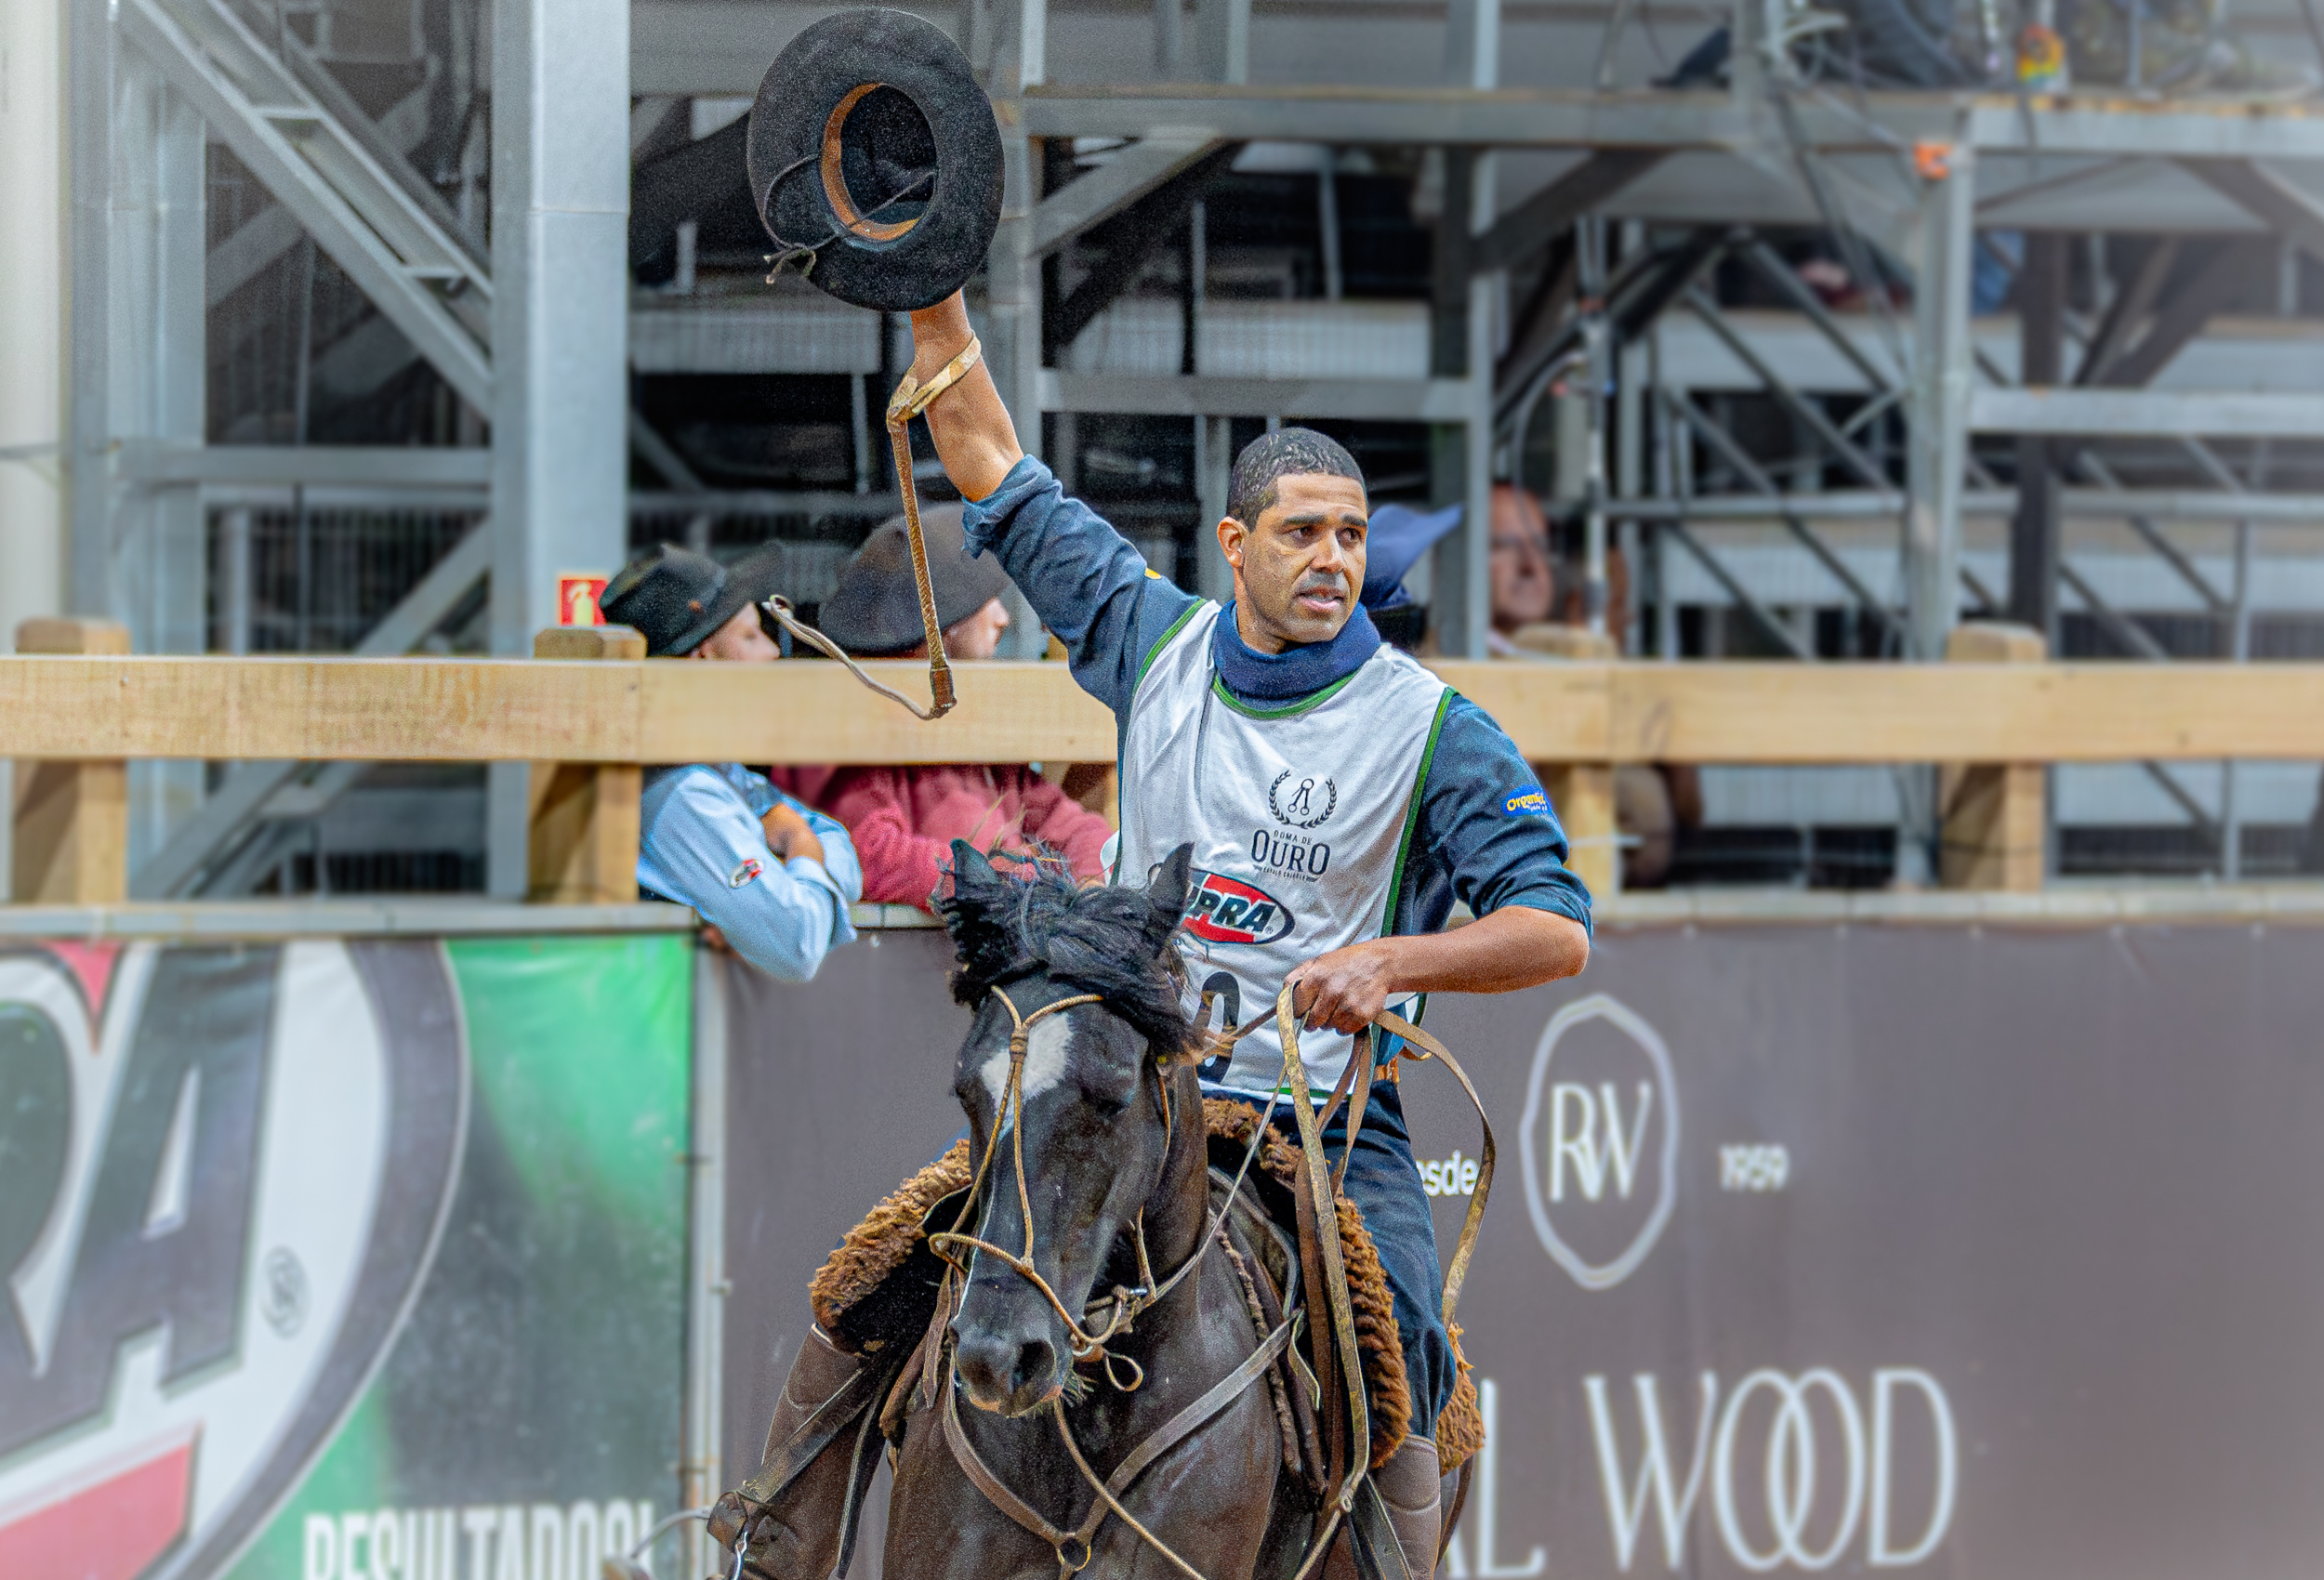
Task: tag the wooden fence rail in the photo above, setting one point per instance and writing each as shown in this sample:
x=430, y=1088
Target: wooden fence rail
x=651, y=711
x=1989, y=710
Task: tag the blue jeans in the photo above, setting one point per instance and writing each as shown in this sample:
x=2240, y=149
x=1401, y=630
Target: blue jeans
x=1384, y=1183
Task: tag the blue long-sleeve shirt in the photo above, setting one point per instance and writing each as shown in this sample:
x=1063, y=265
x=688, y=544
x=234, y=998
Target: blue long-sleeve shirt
x=1488, y=836
x=701, y=843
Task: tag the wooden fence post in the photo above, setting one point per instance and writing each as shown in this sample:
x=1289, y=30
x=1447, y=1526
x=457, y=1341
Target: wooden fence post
x=1582, y=794
x=1994, y=814
x=584, y=824
x=69, y=844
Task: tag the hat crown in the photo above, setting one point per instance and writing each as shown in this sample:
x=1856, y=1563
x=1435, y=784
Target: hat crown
x=876, y=608
x=667, y=596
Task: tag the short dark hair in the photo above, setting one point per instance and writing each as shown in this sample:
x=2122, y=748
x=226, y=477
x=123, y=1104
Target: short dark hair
x=1286, y=451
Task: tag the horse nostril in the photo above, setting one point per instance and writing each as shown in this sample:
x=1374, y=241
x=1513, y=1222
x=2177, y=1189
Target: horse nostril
x=1034, y=1360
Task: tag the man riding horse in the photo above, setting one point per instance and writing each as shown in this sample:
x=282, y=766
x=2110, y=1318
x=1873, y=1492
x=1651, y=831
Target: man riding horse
x=1339, y=799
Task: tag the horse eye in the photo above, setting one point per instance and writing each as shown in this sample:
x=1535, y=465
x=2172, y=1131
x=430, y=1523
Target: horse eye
x=1107, y=1106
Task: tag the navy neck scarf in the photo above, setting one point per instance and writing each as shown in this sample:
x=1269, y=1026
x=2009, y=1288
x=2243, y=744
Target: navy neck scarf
x=1296, y=671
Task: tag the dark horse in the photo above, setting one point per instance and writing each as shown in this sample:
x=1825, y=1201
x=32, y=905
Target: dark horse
x=1085, y=1113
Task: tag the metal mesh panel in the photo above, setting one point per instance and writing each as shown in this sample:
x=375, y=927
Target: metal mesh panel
x=320, y=579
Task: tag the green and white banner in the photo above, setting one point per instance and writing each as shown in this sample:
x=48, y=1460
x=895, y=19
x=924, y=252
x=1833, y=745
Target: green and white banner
x=341, y=1258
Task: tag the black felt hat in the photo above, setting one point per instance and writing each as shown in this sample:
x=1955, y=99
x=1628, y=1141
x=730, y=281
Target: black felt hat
x=875, y=160
x=676, y=597
x=876, y=608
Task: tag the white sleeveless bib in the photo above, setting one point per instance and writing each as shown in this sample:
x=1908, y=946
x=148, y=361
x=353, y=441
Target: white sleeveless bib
x=1301, y=818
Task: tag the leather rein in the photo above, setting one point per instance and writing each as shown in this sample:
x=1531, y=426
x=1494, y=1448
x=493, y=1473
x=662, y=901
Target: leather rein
x=910, y=399
x=1073, y=1547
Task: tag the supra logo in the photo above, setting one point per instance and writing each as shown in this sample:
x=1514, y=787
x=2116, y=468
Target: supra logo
x=746, y=869
x=1761, y=1451
x=1600, y=1140
x=223, y=1172
x=1227, y=910
x=1302, y=800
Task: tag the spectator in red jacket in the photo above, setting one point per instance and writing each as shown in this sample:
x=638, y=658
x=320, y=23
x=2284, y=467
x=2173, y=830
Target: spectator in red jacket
x=904, y=820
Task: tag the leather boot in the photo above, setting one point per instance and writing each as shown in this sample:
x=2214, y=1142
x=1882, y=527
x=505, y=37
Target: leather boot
x=796, y=1536
x=1412, y=1492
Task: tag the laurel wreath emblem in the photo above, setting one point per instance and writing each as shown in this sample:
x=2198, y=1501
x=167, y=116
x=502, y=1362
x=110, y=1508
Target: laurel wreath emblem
x=1331, y=804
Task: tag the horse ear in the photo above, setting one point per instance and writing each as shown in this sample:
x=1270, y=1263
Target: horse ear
x=1166, y=888
x=977, y=889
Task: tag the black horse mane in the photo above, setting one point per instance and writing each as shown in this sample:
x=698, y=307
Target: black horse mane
x=1105, y=938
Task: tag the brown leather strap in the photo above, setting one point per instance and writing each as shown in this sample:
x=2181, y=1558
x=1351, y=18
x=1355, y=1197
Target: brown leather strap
x=995, y=1491
x=1335, y=1283
x=1073, y=1546
x=1321, y=1333
x=1170, y=1433
x=818, y=1431
x=1456, y=1270
x=910, y=399
x=1359, y=1103
x=1163, y=1438
x=779, y=608
x=1459, y=1502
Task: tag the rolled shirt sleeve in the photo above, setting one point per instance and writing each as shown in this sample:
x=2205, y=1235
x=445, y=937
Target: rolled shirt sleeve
x=1488, y=836
x=704, y=845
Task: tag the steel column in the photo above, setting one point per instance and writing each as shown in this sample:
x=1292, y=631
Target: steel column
x=2037, y=534
x=1939, y=406
x=561, y=303
x=153, y=537
x=31, y=315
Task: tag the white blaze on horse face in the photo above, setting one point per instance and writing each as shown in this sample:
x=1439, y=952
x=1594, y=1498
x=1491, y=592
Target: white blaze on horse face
x=1044, y=1062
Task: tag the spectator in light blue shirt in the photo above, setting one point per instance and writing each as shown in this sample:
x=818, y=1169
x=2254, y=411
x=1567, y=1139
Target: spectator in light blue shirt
x=770, y=877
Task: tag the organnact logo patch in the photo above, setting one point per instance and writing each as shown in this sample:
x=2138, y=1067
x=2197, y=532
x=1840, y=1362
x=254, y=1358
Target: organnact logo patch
x=223, y=1175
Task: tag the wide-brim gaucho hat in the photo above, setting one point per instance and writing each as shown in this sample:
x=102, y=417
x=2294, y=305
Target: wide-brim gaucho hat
x=676, y=597
x=875, y=160
x=876, y=609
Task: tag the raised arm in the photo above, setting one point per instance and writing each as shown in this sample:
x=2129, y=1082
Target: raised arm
x=1093, y=590
x=974, y=438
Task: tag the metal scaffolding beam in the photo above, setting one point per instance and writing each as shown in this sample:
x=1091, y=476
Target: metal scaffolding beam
x=409, y=268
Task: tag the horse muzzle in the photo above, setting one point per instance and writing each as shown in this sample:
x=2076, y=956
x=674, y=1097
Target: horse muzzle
x=1008, y=1371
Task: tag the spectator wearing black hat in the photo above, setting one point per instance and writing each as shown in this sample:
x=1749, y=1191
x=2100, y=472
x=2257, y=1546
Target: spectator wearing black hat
x=904, y=819
x=770, y=877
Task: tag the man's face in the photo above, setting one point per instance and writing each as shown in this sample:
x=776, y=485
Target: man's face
x=978, y=636
x=1519, y=567
x=740, y=640
x=1299, y=568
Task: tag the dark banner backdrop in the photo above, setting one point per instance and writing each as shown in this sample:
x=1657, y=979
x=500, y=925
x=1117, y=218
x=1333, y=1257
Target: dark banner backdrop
x=1950, y=1250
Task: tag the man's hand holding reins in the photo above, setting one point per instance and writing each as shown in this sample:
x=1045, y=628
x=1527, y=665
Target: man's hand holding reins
x=1514, y=947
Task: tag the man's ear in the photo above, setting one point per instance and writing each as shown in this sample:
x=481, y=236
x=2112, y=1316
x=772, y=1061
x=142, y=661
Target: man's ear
x=1165, y=891
x=1231, y=536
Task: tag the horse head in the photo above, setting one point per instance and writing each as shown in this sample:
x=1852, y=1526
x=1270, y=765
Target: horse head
x=1071, y=1137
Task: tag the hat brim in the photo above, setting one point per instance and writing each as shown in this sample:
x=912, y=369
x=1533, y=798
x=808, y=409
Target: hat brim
x=796, y=174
